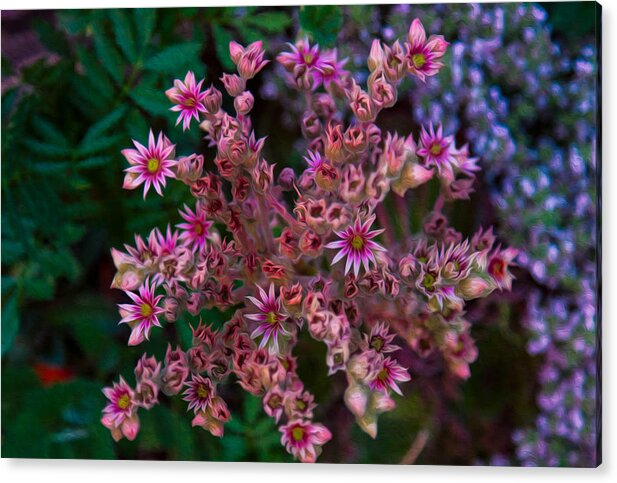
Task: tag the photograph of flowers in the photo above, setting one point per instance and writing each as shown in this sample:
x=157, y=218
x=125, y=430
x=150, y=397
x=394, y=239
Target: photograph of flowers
x=332, y=234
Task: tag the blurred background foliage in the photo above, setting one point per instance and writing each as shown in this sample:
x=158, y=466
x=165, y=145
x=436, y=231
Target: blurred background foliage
x=76, y=87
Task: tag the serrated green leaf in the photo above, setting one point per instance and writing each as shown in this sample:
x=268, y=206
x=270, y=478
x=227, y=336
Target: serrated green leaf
x=124, y=33
x=173, y=59
x=95, y=76
x=102, y=125
x=98, y=144
x=47, y=149
x=48, y=131
x=145, y=21
x=152, y=100
x=108, y=55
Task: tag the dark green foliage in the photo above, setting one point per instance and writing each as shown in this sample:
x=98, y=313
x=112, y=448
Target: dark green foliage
x=322, y=23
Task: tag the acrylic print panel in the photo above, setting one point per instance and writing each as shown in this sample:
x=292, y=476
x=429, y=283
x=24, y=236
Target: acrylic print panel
x=344, y=234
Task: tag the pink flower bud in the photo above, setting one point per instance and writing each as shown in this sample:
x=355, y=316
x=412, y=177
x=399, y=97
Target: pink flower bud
x=327, y=177
x=355, y=140
x=376, y=56
x=311, y=126
x=213, y=100
x=234, y=84
x=474, y=287
x=235, y=51
x=310, y=243
x=244, y=103
x=356, y=399
x=287, y=178
x=334, y=143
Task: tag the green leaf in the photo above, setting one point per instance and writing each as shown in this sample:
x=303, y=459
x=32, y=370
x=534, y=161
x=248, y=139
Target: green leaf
x=322, y=23
x=174, y=59
x=94, y=162
x=107, y=53
x=124, y=33
x=102, y=125
x=270, y=22
x=252, y=408
x=47, y=149
x=72, y=21
x=152, y=100
x=145, y=21
x=48, y=131
x=53, y=39
x=95, y=76
x=64, y=420
x=98, y=144
x=221, y=39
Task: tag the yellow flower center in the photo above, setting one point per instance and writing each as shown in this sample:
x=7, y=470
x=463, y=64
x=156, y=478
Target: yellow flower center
x=199, y=229
x=308, y=59
x=153, y=165
x=124, y=401
x=190, y=102
x=377, y=343
x=146, y=310
x=297, y=433
x=436, y=149
x=428, y=281
x=271, y=318
x=383, y=375
x=357, y=242
x=418, y=60
x=202, y=391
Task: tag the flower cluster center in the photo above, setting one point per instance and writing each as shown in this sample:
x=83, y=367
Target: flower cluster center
x=153, y=165
x=357, y=242
x=418, y=60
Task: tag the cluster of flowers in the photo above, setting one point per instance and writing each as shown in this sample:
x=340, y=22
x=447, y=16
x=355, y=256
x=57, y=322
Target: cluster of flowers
x=301, y=251
x=543, y=190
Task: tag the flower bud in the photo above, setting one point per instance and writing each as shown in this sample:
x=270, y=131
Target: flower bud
x=355, y=140
x=356, y=399
x=334, y=143
x=244, y=103
x=324, y=105
x=287, y=178
x=235, y=51
x=376, y=56
x=234, y=84
x=213, y=100
x=310, y=243
x=327, y=177
x=311, y=126
x=474, y=287
x=412, y=176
